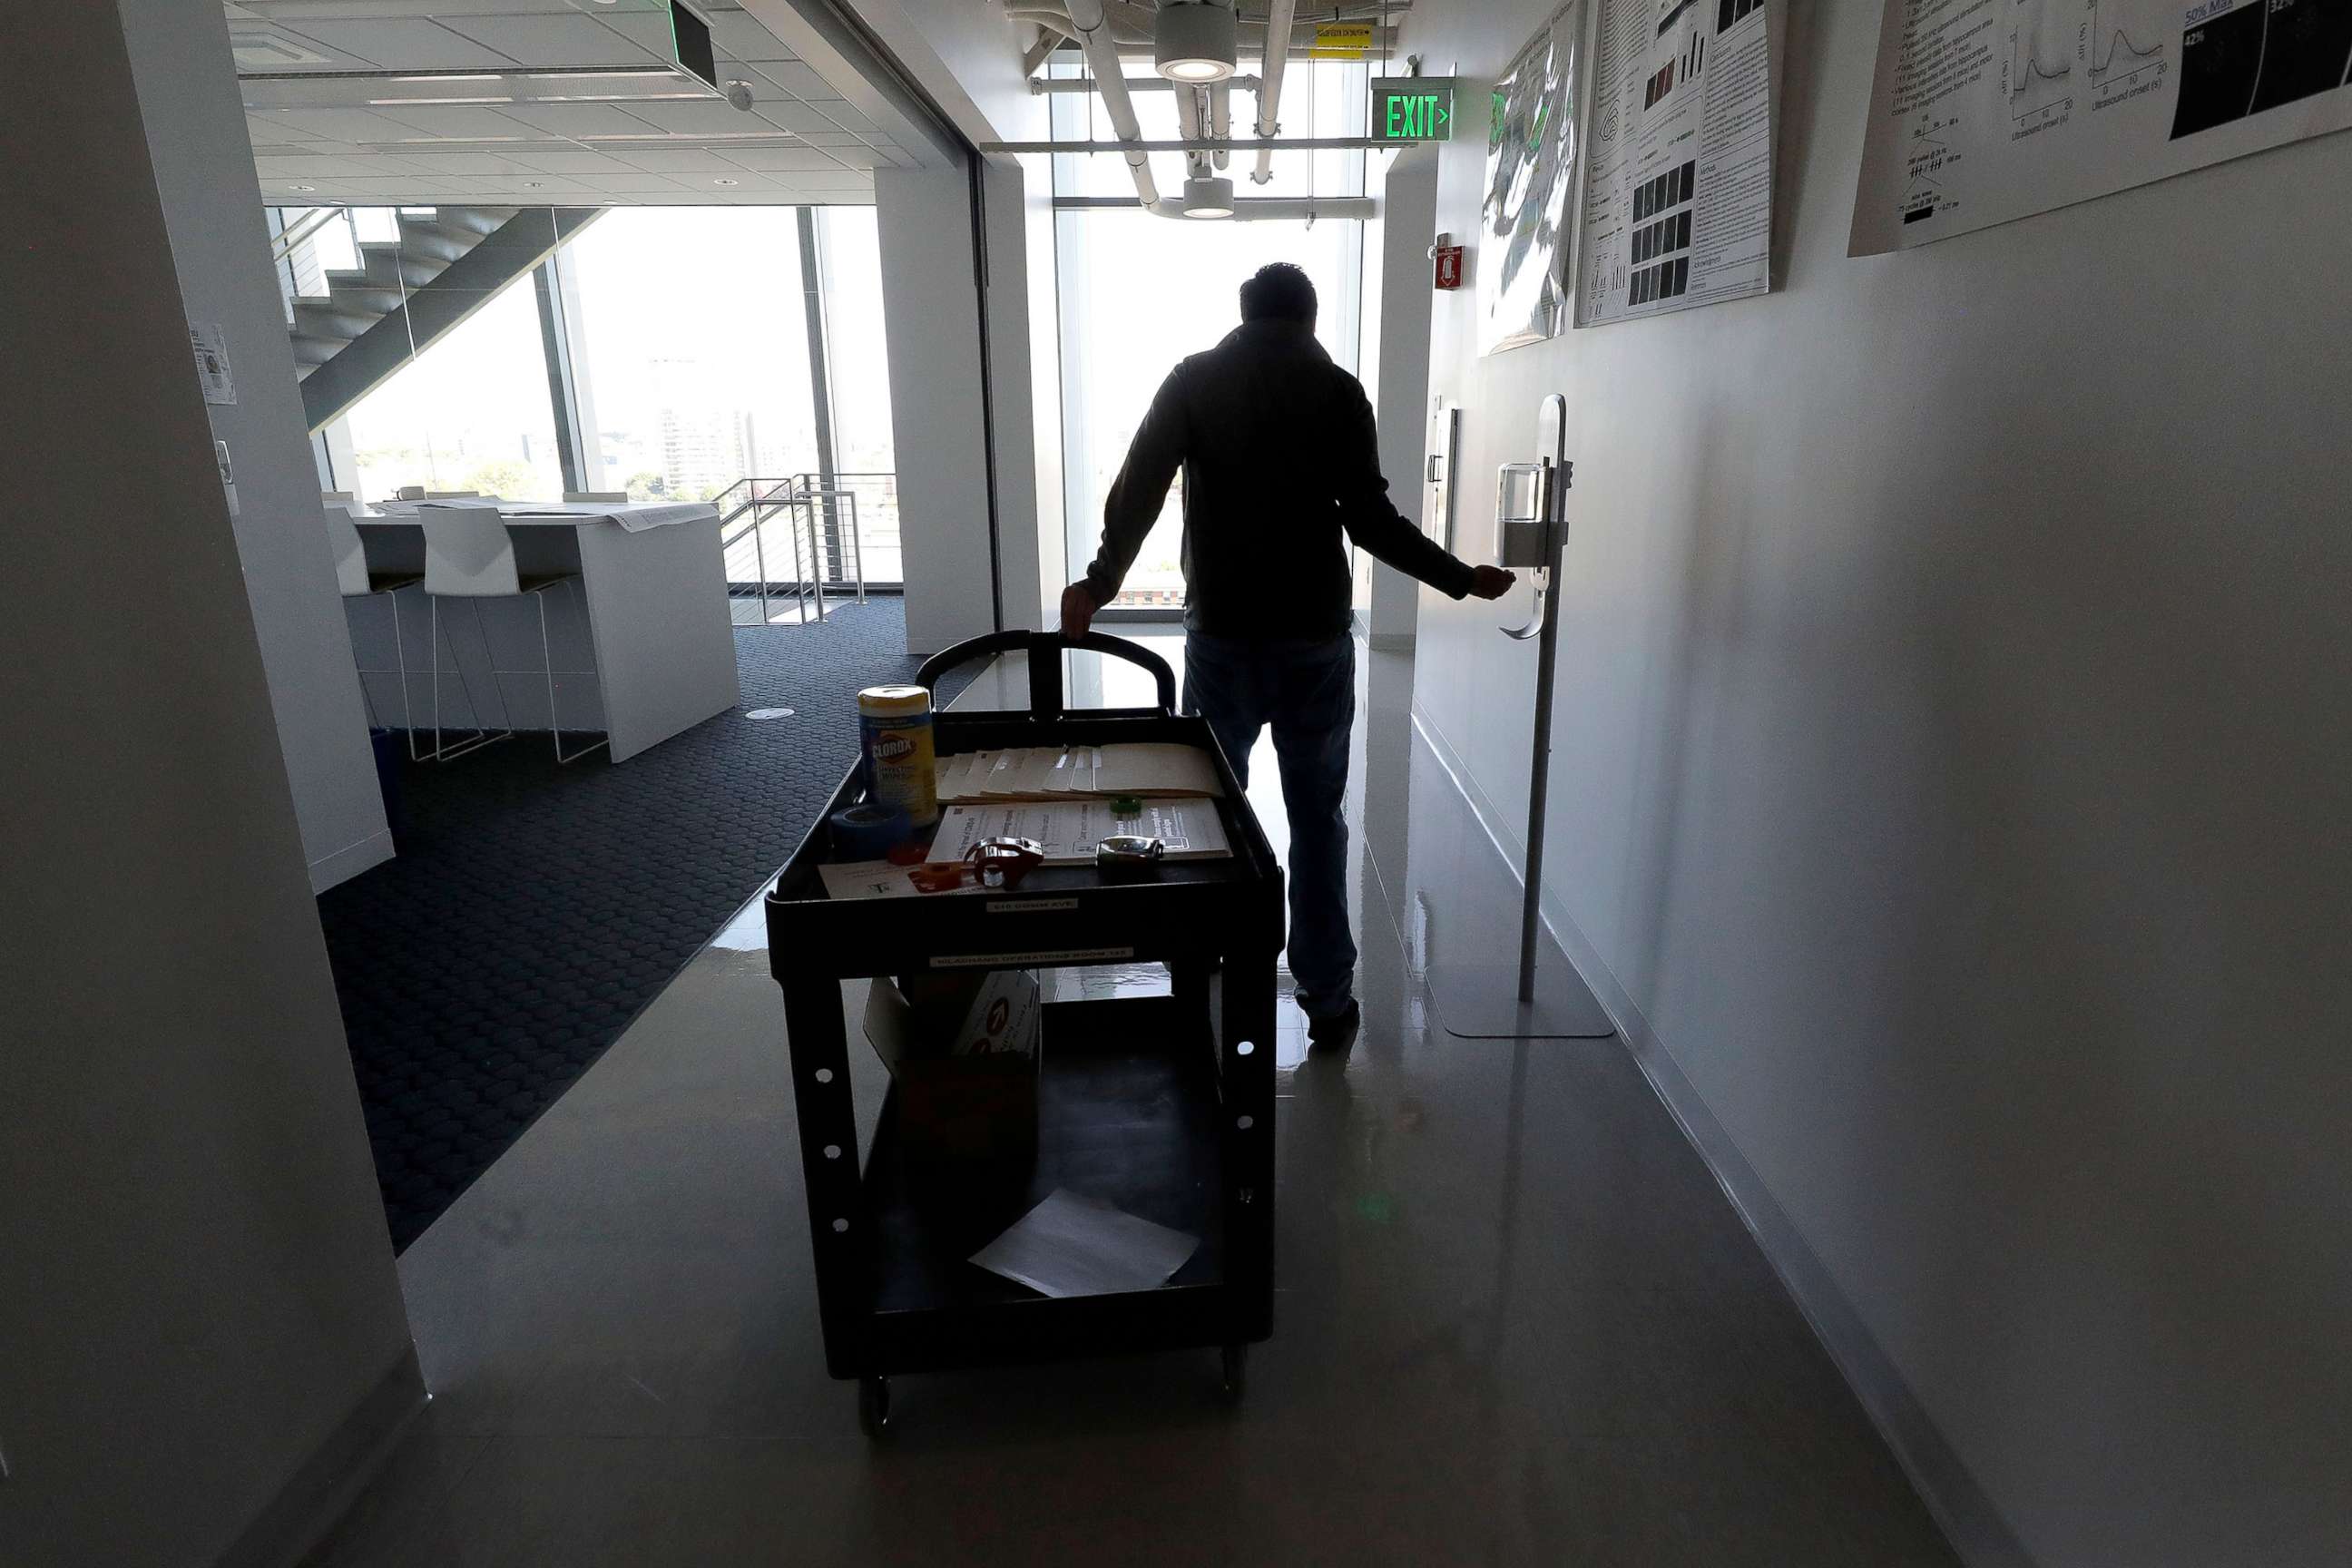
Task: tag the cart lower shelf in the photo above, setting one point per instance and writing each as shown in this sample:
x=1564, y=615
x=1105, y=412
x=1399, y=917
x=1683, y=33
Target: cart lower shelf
x=1129, y=1113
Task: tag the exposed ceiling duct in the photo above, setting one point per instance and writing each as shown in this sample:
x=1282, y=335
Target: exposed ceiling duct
x=1092, y=29
x=1269, y=92
x=1196, y=46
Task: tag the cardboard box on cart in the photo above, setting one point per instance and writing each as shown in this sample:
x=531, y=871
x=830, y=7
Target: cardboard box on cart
x=962, y=1050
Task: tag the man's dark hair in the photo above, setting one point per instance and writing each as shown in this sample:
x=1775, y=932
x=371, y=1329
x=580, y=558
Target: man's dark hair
x=1278, y=291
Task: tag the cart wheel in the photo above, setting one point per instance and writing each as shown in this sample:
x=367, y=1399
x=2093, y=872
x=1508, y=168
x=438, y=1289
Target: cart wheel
x=1235, y=1381
x=874, y=1406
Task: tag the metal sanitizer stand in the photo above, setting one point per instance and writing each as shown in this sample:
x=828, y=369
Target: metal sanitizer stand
x=1542, y=1000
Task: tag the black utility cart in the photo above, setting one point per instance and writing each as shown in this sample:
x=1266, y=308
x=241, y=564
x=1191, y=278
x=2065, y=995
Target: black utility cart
x=1160, y=1105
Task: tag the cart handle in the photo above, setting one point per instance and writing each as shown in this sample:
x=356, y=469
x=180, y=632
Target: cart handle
x=1046, y=673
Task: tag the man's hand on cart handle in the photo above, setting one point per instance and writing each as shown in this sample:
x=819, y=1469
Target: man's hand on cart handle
x=1078, y=609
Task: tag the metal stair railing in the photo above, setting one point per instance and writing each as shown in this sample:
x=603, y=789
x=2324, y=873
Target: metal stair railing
x=810, y=504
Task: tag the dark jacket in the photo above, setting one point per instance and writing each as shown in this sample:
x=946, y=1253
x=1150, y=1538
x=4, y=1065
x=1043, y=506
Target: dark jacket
x=1278, y=452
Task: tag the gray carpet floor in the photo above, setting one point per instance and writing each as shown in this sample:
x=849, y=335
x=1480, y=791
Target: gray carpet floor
x=533, y=910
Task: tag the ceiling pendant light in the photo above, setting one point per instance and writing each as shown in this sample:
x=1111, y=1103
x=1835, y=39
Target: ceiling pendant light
x=1211, y=198
x=1192, y=41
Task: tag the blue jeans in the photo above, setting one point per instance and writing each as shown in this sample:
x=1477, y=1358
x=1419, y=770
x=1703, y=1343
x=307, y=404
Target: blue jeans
x=1306, y=690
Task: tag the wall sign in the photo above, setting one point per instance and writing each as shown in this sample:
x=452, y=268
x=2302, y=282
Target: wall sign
x=1449, y=265
x=1412, y=108
x=1342, y=41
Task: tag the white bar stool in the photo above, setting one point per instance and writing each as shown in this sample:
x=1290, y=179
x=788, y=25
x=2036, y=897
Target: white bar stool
x=356, y=582
x=469, y=554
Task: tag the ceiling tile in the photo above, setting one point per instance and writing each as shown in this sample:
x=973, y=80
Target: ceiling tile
x=707, y=116
x=567, y=160
x=649, y=30
x=359, y=125
x=629, y=182
x=442, y=164
x=800, y=80
x=403, y=44
x=581, y=120
x=565, y=40
x=271, y=128
x=309, y=168
x=742, y=36
x=801, y=117
x=456, y=122
x=673, y=160
x=833, y=138
x=773, y=158
x=818, y=180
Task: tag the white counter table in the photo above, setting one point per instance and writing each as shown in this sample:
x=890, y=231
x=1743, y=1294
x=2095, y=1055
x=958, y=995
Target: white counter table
x=651, y=607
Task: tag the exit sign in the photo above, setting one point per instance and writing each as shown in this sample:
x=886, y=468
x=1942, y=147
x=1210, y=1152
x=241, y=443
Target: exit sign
x=1412, y=108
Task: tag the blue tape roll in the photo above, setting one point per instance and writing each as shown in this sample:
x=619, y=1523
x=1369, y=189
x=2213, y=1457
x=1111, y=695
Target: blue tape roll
x=866, y=832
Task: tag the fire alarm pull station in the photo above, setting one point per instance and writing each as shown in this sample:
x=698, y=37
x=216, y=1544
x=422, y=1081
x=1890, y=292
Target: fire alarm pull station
x=1544, y=999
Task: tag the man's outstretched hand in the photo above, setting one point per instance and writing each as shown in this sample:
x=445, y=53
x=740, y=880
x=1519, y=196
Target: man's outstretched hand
x=1485, y=583
x=1078, y=608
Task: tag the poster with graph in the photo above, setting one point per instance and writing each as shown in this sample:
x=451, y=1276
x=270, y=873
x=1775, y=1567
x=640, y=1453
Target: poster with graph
x=1986, y=110
x=1679, y=171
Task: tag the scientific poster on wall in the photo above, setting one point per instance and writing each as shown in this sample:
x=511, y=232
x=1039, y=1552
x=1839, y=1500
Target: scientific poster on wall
x=1985, y=111
x=1678, y=167
x=1523, y=223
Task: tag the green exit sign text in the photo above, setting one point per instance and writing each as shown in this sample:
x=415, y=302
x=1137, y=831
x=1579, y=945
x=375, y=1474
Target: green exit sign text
x=1412, y=108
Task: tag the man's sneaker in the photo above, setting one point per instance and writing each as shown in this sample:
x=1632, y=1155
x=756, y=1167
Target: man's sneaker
x=1337, y=1032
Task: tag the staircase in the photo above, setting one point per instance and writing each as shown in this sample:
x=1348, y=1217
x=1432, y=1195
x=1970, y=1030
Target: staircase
x=408, y=292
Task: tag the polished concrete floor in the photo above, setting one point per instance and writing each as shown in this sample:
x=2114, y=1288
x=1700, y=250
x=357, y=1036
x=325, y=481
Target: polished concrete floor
x=1518, y=1320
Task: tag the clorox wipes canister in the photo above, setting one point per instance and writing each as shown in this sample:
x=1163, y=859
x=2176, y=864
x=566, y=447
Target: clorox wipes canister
x=894, y=725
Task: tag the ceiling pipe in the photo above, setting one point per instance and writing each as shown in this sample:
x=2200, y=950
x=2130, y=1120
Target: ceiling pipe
x=1040, y=86
x=1188, y=125
x=1131, y=25
x=1291, y=207
x=1269, y=92
x=1102, y=59
x=1220, y=120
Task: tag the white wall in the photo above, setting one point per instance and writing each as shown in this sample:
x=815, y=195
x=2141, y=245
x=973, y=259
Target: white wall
x=1398, y=299
x=1025, y=388
x=967, y=57
x=194, y=119
x=200, y=1288
x=1951, y=766
x=931, y=305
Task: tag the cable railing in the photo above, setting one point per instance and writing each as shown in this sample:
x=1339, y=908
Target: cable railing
x=796, y=536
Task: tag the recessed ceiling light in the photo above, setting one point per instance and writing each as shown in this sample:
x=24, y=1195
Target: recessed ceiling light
x=530, y=185
x=1193, y=43
x=301, y=187
x=722, y=182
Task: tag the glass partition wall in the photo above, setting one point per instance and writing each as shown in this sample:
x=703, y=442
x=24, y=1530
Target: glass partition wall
x=673, y=354
x=1139, y=292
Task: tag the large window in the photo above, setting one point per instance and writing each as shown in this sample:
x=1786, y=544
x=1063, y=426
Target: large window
x=686, y=335
x=695, y=327
x=1139, y=292
x=470, y=413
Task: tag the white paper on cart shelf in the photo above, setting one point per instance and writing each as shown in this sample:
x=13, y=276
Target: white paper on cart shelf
x=1004, y=772
x=962, y=769
x=1072, y=1244
x=1156, y=767
x=1036, y=770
